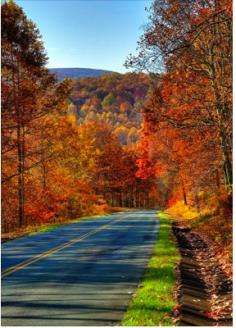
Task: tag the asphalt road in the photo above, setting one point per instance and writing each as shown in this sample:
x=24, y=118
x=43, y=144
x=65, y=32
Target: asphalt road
x=82, y=274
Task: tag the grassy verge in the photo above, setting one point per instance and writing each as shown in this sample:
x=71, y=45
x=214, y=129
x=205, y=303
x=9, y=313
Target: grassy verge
x=153, y=303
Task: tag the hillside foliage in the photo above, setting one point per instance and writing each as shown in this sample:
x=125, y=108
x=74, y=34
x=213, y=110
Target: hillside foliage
x=68, y=147
x=114, y=99
x=186, y=139
x=77, y=147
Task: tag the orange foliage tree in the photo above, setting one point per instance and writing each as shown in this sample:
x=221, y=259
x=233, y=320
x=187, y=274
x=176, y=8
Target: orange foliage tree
x=187, y=131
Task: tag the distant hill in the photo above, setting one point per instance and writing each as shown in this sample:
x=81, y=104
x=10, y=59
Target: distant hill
x=115, y=99
x=76, y=73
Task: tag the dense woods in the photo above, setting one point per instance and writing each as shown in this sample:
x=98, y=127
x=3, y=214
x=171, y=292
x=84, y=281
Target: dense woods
x=68, y=148
x=153, y=145
x=29, y=97
x=77, y=147
x=115, y=99
x=187, y=132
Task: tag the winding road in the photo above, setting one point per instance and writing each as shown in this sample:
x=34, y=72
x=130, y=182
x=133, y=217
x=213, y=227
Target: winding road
x=80, y=274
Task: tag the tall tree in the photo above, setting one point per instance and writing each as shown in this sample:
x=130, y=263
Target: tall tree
x=28, y=93
x=189, y=43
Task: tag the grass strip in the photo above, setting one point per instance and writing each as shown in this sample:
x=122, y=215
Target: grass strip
x=153, y=302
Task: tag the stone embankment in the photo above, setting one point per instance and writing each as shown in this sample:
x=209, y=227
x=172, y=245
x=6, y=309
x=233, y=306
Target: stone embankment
x=204, y=290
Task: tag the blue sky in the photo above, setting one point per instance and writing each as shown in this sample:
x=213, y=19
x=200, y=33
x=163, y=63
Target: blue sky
x=88, y=33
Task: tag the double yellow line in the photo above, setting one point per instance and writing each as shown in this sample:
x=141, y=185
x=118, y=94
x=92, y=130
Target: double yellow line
x=51, y=251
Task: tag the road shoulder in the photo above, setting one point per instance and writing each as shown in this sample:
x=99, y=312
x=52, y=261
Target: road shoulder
x=153, y=303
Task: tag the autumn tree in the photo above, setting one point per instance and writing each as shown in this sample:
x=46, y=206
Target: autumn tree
x=68, y=148
x=116, y=99
x=189, y=45
x=29, y=92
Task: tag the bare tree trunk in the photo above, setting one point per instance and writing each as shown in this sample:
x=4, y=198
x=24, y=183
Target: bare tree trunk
x=227, y=165
x=112, y=199
x=20, y=149
x=138, y=199
x=131, y=198
x=196, y=201
x=217, y=179
x=184, y=193
x=20, y=169
x=146, y=200
x=121, y=199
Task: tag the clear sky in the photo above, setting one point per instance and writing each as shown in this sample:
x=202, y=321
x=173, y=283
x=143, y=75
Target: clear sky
x=88, y=33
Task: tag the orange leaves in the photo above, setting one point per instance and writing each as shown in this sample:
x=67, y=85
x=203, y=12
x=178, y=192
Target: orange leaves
x=124, y=106
x=161, y=169
x=145, y=169
x=44, y=208
x=175, y=197
x=174, y=143
x=179, y=146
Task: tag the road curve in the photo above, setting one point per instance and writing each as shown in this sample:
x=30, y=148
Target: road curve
x=81, y=274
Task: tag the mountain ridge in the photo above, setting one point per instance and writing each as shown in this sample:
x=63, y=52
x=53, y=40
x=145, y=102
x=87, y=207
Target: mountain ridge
x=78, y=72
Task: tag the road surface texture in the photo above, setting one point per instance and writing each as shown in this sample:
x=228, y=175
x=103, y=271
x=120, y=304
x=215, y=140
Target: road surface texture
x=81, y=274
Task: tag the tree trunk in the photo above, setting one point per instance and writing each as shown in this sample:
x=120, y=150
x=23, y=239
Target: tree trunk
x=121, y=199
x=184, y=193
x=112, y=199
x=217, y=179
x=20, y=149
x=227, y=165
x=196, y=201
x=20, y=168
x=131, y=198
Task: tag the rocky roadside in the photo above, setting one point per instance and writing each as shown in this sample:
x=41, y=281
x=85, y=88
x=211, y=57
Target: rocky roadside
x=204, y=288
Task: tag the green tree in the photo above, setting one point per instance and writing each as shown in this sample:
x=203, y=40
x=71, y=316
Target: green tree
x=108, y=100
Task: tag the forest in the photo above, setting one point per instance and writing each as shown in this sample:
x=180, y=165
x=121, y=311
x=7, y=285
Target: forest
x=186, y=136
x=157, y=137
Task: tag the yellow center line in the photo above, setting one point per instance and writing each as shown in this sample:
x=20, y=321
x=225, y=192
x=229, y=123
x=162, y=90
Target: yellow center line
x=51, y=251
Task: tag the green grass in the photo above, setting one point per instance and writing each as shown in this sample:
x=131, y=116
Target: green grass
x=153, y=303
